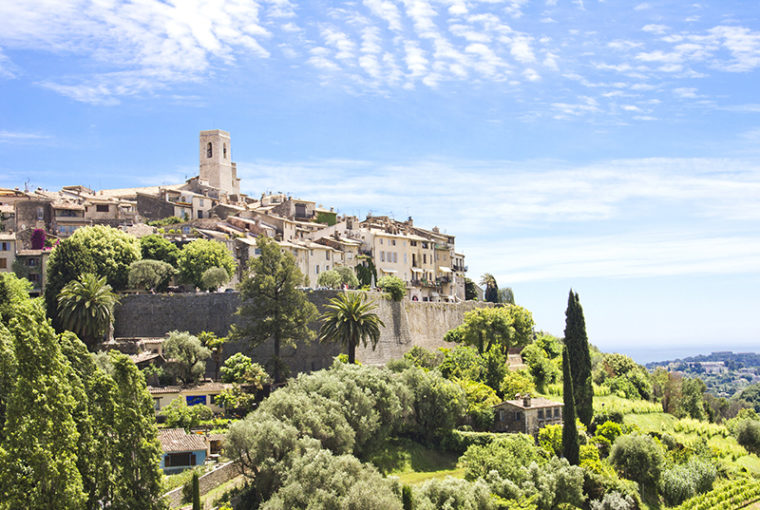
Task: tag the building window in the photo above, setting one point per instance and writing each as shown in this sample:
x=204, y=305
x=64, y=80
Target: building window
x=413, y=243
x=209, y=150
x=381, y=240
x=395, y=257
x=393, y=242
x=424, y=258
x=316, y=269
x=179, y=459
x=5, y=246
x=200, y=202
x=101, y=207
x=3, y=263
x=405, y=258
x=224, y=149
x=382, y=256
x=193, y=400
x=200, y=214
x=327, y=255
x=556, y=412
x=31, y=262
x=540, y=414
x=40, y=214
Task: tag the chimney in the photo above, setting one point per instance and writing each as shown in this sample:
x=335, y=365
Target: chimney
x=526, y=400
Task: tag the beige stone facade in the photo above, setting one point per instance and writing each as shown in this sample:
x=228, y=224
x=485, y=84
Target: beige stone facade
x=527, y=415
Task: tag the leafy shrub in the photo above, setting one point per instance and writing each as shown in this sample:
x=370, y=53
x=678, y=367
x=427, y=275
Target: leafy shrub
x=550, y=439
x=423, y=358
x=394, y=286
x=480, y=401
x=150, y=275
x=319, y=479
x=436, y=404
x=179, y=414
x=748, y=435
x=639, y=458
x=507, y=456
x=614, y=501
x=451, y=493
x=213, y=278
x=330, y=279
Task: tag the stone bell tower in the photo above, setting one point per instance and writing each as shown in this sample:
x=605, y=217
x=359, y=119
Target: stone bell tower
x=216, y=166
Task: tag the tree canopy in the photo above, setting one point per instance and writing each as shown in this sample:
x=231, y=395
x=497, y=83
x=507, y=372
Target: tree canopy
x=200, y=255
x=350, y=319
x=85, y=306
x=156, y=247
x=503, y=326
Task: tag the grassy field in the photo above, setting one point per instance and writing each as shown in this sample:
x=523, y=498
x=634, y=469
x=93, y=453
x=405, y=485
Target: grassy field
x=414, y=463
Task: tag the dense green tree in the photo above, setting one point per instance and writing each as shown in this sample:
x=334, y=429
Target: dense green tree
x=137, y=454
x=518, y=382
x=693, y=402
x=423, y=358
x=85, y=307
x=112, y=251
x=319, y=479
x=38, y=461
x=541, y=367
x=330, y=279
x=494, y=368
x=508, y=456
x=187, y=356
x=215, y=344
x=639, y=458
x=469, y=290
x=94, y=392
x=576, y=341
x=348, y=276
x=453, y=493
x=437, y=404
x=506, y=295
x=67, y=262
x=179, y=414
x=272, y=305
x=366, y=272
x=570, y=446
x=213, y=278
x=13, y=291
x=492, y=289
x=200, y=255
x=480, y=401
x=153, y=275
x=7, y=372
x=394, y=286
x=156, y=247
x=504, y=326
x=350, y=319
x=748, y=435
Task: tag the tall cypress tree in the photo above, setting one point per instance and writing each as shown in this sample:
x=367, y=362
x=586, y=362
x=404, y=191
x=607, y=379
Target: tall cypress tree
x=570, y=446
x=576, y=341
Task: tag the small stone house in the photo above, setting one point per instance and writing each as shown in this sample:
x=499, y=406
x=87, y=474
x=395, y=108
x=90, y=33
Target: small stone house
x=203, y=393
x=526, y=415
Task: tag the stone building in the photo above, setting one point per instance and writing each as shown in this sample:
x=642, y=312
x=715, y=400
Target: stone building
x=526, y=415
x=7, y=251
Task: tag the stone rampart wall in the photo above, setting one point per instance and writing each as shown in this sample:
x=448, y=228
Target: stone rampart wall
x=407, y=323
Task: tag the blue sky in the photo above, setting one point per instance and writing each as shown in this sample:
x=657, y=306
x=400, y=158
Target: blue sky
x=610, y=146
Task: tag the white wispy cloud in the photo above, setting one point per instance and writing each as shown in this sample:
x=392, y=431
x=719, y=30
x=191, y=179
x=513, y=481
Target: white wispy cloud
x=21, y=137
x=691, y=215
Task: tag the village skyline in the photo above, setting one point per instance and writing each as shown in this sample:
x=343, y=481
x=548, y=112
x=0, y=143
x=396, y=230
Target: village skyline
x=611, y=148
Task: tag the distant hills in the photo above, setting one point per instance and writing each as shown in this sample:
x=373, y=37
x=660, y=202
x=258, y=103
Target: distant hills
x=725, y=373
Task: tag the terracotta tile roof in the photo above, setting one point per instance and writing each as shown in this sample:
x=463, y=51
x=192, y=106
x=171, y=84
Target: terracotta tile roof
x=177, y=440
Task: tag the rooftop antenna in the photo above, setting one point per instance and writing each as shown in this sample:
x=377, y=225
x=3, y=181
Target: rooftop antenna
x=26, y=185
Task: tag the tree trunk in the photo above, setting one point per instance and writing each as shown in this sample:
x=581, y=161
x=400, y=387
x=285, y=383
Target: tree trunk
x=276, y=369
x=351, y=352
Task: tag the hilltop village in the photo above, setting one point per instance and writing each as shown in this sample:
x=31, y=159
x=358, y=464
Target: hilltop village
x=137, y=380
x=211, y=206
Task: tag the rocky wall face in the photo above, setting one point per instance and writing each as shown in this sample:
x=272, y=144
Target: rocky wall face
x=407, y=324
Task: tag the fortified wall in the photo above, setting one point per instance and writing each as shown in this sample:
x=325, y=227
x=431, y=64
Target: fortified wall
x=407, y=323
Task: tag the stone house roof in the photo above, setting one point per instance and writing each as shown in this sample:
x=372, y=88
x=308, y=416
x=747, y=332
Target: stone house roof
x=533, y=403
x=177, y=440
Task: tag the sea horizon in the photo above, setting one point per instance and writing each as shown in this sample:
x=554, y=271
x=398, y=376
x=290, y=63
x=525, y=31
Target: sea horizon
x=648, y=354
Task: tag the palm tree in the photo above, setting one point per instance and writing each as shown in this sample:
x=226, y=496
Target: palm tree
x=350, y=319
x=492, y=290
x=85, y=306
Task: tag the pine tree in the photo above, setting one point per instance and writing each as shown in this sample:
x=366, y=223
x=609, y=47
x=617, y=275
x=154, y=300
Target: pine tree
x=580, y=359
x=570, y=446
x=272, y=305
